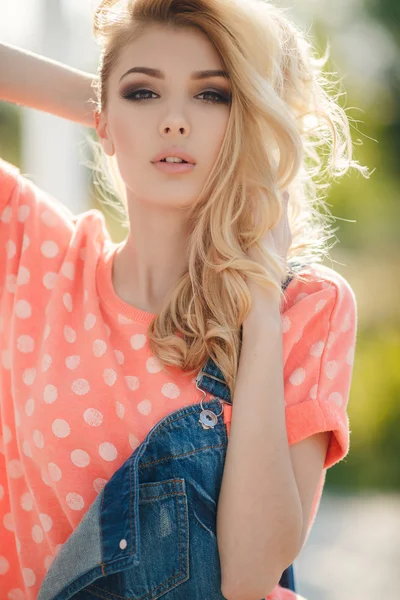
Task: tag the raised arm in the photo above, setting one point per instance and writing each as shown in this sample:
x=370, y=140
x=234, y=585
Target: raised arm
x=38, y=82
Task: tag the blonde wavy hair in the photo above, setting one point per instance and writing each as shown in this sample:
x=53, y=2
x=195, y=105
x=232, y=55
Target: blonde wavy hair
x=286, y=130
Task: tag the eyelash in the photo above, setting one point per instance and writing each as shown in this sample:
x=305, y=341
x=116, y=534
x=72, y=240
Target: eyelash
x=221, y=99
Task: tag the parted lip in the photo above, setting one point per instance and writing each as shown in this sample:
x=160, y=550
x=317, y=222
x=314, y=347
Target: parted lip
x=174, y=151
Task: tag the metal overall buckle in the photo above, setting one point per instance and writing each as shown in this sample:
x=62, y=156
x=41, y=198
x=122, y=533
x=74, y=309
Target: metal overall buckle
x=207, y=419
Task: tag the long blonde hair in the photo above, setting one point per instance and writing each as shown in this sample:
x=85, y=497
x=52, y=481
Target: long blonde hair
x=286, y=130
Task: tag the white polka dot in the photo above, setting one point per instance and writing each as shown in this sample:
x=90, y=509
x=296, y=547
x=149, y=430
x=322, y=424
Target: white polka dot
x=346, y=323
x=38, y=439
x=317, y=349
x=37, y=534
x=297, y=335
x=93, y=417
x=6, y=215
x=11, y=283
x=80, y=387
x=350, y=355
x=17, y=417
x=49, y=218
x=11, y=249
x=46, y=521
x=61, y=428
x=99, y=348
x=49, y=249
x=331, y=339
x=133, y=441
x=69, y=334
x=300, y=297
x=23, y=212
x=71, y=362
x=109, y=376
x=138, y=341
x=50, y=393
x=331, y=368
x=6, y=359
x=124, y=320
x=170, y=390
x=29, y=407
x=4, y=565
x=46, y=331
x=123, y=544
x=29, y=376
x=16, y=594
x=46, y=362
x=26, y=501
x=23, y=276
x=23, y=309
x=144, y=407
x=1, y=492
x=55, y=473
x=286, y=324
x=106, y=327
x=153, y=365
x=67, y=301
x=25, y=242
x=119, y=356
x=298, y=376
x=14, y=468
x=8, y=522
x=85, y=295
x=29, y=577
x=108, y=451
x=26, y=448
x=336, y=398
x=120, y=409
x=320, y=305
x=75, y=501
x=90, y=321
x=47, y=561
x=132, y=382
x=80, y=458
x=68, y=270
x=313, y=392
x=99, y=484
x=7, y=436
x=49, y=280
x=25, y=344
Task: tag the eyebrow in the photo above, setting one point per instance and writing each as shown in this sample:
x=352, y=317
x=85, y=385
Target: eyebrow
x=160, y=75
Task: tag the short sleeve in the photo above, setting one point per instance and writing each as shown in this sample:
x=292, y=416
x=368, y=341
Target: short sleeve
x=320, y=330
x=9, y=175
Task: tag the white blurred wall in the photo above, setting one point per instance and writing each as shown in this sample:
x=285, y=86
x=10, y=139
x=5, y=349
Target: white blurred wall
x=51, y=152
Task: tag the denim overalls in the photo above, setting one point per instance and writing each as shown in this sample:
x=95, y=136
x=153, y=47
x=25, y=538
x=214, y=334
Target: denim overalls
x=151, y=531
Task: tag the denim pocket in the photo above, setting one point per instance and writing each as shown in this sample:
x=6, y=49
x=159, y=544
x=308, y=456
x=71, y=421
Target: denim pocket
x=164, y=542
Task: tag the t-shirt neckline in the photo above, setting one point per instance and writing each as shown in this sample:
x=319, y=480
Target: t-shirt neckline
x=108, y=295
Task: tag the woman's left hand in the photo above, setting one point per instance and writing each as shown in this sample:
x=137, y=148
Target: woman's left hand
x=279, y=240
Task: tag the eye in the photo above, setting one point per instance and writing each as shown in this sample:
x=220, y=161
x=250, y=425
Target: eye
x=218, y=98
x=212, y=96
x=132, y=95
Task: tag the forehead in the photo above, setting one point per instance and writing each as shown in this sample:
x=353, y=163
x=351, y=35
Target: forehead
x=170, y=49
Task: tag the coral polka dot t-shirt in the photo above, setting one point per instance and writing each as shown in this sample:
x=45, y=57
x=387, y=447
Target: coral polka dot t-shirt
x=80, y=388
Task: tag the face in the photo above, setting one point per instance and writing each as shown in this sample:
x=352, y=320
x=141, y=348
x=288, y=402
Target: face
x=147, y=114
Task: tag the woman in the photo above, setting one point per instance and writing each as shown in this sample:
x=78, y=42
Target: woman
x=101, y=342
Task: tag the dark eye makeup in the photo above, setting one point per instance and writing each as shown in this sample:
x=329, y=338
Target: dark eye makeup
x=133, y=94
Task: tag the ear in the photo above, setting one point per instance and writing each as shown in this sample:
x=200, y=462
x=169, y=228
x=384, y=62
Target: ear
x=103, y=133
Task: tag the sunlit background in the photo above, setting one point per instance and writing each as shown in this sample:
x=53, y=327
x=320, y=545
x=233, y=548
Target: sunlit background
x=353, y=552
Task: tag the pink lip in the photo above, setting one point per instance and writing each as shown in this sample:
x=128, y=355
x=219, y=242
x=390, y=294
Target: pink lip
x=173, y=168
x=174, y=151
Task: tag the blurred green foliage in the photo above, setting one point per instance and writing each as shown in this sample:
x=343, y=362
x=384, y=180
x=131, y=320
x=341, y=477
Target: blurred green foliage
x=368, y=256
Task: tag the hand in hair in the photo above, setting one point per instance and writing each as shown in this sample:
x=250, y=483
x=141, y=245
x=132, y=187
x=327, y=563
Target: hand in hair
x=277, y=240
